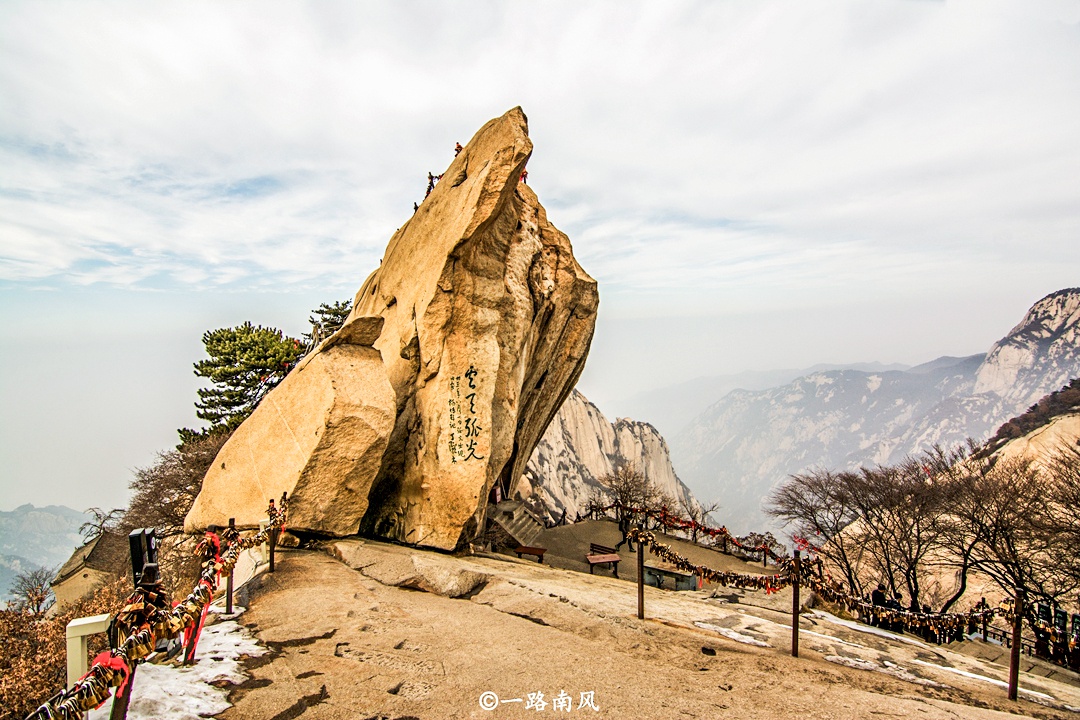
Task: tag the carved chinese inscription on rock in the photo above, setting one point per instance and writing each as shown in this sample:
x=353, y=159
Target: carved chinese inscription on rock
x=465, y=428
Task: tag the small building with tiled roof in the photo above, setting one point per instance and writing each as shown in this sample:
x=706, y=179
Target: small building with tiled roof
x=97, y=562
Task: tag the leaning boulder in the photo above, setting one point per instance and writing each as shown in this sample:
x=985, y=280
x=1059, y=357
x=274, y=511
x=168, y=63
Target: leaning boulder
x=320, y=436
x=486, y=320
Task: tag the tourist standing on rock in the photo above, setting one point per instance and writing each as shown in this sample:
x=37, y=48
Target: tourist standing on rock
x=877, y=598
x=896, y=603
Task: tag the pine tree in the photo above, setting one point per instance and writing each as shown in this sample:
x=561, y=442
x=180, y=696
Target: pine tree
x=325, y=321
x=245, y=363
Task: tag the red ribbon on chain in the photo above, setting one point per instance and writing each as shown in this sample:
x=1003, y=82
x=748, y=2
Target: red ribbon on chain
x=106, y=659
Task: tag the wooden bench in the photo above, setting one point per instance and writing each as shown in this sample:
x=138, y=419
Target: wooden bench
x=526, y=550
x=603, y=555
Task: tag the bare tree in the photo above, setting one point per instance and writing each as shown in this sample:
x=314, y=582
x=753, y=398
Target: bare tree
x=162, y=496
x=631, y=489
x=1063, y=510
x=32, y=591
x=818, y=505
x=885, y=521
x=103, y=521
x=903, y=511
x=1013, y=522
x=699, y=515
x=763, y=540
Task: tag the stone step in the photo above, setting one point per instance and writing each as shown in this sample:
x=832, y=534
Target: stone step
x=517, y=521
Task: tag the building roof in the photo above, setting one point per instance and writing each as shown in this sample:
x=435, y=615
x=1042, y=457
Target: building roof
x=104, y=553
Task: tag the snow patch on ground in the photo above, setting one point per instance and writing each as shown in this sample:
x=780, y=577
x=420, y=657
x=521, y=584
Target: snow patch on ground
x=993, y=681
x=732, y=634
x=168, y=692
x=831, y=638
x=868, y=629
x=887, y=668
x=857, y=663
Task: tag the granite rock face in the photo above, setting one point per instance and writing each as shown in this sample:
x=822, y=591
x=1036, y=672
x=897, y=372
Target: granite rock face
x=581, y=447
x=488, y=322
x=459, y=350
x=319, y=435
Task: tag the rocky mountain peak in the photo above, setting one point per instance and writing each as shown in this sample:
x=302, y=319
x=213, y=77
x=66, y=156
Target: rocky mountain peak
x=1044, y=346
x=747, y=442
x=580, y=447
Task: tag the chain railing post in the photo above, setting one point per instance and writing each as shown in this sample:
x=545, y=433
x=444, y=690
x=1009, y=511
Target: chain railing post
x=1014, y=659
x=229, y=580
x=641, y=578
x=795, y=606
x=273, y=544
x=122, y=698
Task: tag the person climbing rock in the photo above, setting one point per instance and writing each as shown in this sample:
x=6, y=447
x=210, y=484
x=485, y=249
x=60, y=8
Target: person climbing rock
x=430, y=183
x=525, y=176
x=457, y=149
x=415, y=207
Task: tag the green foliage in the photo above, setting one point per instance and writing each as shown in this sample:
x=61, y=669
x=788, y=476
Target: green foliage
x=325, y=321
x=245, y=363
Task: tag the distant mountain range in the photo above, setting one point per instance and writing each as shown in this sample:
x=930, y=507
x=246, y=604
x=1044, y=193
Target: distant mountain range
x=742, y=446
x=32, y=537
x=672, y=408
x=766, y=426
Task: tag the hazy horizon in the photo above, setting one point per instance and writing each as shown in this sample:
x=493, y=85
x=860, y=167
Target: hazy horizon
x=754, y=186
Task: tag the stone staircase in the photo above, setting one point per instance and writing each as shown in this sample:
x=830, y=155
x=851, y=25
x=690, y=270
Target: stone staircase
x=513, y=517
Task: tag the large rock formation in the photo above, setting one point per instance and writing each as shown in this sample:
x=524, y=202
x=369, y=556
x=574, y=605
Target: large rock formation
x=581, y=447
x=485, y=322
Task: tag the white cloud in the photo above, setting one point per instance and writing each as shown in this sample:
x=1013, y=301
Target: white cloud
x=761, y=184
x=255, y=143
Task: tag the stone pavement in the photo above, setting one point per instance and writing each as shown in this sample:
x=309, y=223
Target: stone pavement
x=388, y=632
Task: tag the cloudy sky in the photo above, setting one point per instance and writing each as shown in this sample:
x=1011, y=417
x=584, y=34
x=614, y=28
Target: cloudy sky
x=754, y=185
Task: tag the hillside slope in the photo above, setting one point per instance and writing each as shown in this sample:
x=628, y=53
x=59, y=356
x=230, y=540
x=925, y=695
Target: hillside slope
x=32, y=537
x=365, y=643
